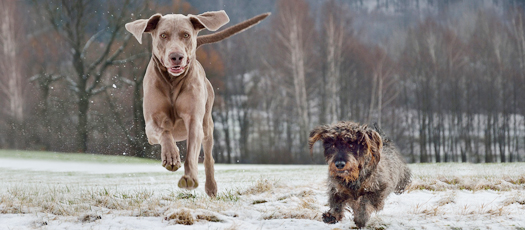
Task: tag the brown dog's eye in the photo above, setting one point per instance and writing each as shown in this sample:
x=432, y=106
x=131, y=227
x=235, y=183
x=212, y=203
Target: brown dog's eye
x=163, y=36
x=328, y=145
x=186, y=35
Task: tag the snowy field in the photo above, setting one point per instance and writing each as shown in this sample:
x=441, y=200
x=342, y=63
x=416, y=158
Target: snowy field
x=72, y=191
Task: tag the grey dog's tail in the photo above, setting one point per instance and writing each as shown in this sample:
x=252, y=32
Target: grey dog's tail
x=232, y=30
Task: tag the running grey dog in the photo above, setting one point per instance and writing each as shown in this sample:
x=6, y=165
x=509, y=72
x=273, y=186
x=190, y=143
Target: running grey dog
x=178, y=98
x=363, y=170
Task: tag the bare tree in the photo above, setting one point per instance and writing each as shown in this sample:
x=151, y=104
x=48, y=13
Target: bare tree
x=294, y=33
x=383, y=90
x=11, y=79
x=334, y=29
x=89, y=64
x=488, y=52
x=518, y=34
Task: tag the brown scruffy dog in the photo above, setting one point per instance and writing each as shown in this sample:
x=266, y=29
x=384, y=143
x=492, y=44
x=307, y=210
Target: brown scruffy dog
x=363, y=170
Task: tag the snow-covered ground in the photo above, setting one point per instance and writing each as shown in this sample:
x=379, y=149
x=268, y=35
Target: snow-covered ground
x=44, y=194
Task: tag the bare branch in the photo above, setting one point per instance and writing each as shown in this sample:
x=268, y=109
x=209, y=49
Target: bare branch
x=119, y=50
x=88, y=43
x=134, y=57
x=73, y=84
x=127, y=81
x=116, y=28
x=99, y=90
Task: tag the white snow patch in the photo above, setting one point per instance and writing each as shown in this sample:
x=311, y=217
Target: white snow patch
x=74, y=195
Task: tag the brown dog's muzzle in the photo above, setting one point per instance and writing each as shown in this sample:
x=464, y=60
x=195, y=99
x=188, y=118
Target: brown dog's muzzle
x=348, y=171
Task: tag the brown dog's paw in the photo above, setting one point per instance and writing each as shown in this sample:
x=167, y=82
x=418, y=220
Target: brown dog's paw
x=328, y=218
x=188, y=183
x=211, y=188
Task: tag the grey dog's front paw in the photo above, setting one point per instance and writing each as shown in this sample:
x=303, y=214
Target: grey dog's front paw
x=170, y=158
x=188, y=183
x=171, y=166
x=328, y=218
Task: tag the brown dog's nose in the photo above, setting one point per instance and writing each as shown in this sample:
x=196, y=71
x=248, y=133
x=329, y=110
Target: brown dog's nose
x=176, y=58
x=340, y=164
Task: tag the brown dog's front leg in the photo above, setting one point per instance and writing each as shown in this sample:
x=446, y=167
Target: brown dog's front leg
x=362, y=212
x=336, y=201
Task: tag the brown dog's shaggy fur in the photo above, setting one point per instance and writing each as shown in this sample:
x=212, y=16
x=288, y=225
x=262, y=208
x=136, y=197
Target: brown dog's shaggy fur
x=363, y=170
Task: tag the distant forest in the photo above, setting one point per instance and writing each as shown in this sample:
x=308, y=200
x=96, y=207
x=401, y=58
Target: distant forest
x=444, y=79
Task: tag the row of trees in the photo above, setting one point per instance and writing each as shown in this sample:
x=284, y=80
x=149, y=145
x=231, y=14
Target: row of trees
x=445, y=80
x=468, y=93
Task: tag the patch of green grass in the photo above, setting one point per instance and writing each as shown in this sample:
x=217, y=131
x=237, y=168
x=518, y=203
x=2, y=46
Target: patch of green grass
x=229, y=195
x=79, y=157
x=186, y=195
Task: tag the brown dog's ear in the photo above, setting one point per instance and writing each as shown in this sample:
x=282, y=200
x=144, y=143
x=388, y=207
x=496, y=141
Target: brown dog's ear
x=375, y=144
x=138, y=27
x=212, y=20
x=316, y=135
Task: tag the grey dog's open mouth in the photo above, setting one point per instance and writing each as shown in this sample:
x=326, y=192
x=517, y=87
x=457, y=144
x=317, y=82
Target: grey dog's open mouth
x=177, y=69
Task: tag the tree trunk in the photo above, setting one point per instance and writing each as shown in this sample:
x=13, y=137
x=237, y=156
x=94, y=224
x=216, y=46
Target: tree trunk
x=82, y=128
x=334, y=45
x=11, y=85
x=298, y=74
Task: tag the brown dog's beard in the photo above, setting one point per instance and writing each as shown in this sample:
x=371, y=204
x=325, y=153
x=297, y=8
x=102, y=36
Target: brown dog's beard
x=348, y=174
x=352, y=176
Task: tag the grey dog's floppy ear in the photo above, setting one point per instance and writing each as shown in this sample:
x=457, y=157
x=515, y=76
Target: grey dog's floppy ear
x=138, y=27
x=212, y=20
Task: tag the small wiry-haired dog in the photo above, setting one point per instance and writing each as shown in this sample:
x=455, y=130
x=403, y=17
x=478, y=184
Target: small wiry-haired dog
x=363, y=170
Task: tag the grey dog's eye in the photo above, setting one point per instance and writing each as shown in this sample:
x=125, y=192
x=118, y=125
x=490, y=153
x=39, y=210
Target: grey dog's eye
x=163, y=36
x=186, y=35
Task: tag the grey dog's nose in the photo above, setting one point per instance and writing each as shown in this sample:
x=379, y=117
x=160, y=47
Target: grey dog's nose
x=176, y=58
x=340, y=164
